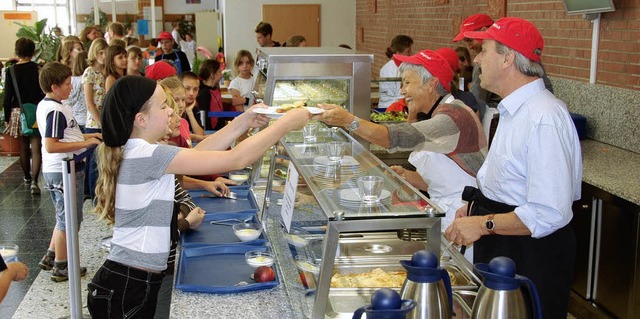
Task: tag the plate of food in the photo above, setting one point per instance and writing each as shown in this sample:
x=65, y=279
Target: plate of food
x=278, y=111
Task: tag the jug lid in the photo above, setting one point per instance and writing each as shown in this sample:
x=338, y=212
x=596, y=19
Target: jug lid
x=499, y=274
x=423, y=267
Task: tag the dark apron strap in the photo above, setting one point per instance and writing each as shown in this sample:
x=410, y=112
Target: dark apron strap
x=547, y=261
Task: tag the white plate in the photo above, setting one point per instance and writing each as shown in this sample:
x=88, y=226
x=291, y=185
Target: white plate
x=271, y=111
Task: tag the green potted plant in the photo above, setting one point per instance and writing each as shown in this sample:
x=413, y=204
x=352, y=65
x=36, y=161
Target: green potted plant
x=226, y=75
x=46, y=41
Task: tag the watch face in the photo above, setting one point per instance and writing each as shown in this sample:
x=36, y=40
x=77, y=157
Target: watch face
x=489, y=224
x=354, y=125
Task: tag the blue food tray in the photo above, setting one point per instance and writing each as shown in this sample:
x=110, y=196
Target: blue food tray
x=217, y=269
x=246, y=201
x=212, y=234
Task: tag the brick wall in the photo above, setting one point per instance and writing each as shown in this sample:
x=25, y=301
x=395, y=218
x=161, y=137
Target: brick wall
x=567, y=53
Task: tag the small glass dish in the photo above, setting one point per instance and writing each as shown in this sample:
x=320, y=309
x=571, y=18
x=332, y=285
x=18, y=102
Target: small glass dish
x=309, y=271
x=296, y=238
x=239, y=177
x=247, y=231
x=257, y=258
x=308, y=265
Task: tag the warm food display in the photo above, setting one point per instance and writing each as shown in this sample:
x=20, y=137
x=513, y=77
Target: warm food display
x=376, y=278
x=314, y=92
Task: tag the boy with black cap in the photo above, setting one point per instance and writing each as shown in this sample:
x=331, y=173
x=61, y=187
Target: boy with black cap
x=62, y=138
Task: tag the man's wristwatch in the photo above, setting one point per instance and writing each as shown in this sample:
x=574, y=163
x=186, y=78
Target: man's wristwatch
x=355, y=124
x=490, y=225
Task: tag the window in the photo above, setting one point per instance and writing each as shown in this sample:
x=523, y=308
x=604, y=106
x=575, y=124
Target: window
x=55, y=11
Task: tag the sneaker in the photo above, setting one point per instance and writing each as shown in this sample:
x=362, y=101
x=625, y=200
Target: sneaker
x=60, y=275
x=27, y=180
x=46, y=263
x=35, y=190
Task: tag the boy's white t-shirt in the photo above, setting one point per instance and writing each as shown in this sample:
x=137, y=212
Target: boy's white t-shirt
x=56, y=121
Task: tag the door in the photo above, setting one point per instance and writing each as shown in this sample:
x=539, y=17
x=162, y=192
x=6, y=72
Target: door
x=617, y=257
x=294, y=19
x=583, y=224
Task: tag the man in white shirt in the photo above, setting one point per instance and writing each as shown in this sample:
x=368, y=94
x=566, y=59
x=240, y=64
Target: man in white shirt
x=532, y=173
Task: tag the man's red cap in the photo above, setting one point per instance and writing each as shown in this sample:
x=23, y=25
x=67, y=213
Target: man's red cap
x=516, y=33
x=164, y=35
x=159, y=71
x=433, y=62
x=451, y=56
x=472, y=23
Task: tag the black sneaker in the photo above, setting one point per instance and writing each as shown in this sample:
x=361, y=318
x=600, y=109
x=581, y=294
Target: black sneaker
x=60, y=275
x=46, y=263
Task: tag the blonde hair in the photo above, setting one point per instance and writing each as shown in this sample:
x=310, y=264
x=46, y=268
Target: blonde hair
x=67, y=47
x=172, y=84
x=109, y=160
x=97, y=45
x=171, y=102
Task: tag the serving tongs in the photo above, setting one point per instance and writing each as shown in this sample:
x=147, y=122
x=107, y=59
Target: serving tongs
x=231, y=221
x=230, y=195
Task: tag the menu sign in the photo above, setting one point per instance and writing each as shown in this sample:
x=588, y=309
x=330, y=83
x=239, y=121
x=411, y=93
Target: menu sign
x=289, y=196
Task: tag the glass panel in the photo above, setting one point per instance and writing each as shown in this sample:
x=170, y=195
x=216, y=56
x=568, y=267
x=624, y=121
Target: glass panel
x=333, y=91
x=335, y=183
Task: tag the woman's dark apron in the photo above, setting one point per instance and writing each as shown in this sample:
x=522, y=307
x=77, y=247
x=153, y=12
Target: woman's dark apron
x=547, y=261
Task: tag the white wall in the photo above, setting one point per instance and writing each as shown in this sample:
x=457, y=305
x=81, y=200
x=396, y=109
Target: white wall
x=180, y=6
x=240, y=17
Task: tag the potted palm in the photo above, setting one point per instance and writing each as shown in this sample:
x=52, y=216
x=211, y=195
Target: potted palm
x=46, y=41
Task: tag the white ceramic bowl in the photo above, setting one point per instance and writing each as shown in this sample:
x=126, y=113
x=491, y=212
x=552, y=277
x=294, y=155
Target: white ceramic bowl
x=257, y=258
x=247, y=231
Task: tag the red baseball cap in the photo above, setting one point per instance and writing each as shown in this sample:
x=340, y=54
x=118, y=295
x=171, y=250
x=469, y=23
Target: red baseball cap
x=433, y=62
x=516, y=33
x=472, y=23
x=451, y=56
x=159, y=71
x=164, y=35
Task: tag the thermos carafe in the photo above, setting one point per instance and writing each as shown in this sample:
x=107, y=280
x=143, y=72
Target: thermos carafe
x=500, y=295
x=427, y=284
x=385, y=304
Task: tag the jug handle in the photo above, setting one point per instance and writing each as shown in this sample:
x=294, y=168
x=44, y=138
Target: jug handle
x=533, y=292
x=358, y=313
x=447, y=284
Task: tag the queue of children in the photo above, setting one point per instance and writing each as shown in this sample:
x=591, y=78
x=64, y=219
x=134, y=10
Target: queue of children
x=102, y=93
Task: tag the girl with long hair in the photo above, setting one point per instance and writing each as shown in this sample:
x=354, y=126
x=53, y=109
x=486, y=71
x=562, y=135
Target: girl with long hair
x=137, y=186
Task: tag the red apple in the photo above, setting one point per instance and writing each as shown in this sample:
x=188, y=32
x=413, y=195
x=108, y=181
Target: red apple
x=264, y=274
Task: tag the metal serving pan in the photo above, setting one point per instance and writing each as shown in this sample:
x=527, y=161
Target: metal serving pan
x=463, y=280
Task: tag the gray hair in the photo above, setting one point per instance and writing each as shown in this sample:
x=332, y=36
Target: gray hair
x=424, y=74
x=523, y=64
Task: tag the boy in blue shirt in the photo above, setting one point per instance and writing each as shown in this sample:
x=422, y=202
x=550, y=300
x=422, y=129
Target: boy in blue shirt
x=62, y=138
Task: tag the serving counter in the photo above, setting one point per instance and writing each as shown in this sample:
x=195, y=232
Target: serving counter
x=329, y=234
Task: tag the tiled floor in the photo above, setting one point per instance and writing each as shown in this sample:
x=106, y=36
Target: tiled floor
x=25, y=220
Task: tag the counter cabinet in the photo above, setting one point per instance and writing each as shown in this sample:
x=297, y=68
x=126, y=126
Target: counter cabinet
x=608, y=251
